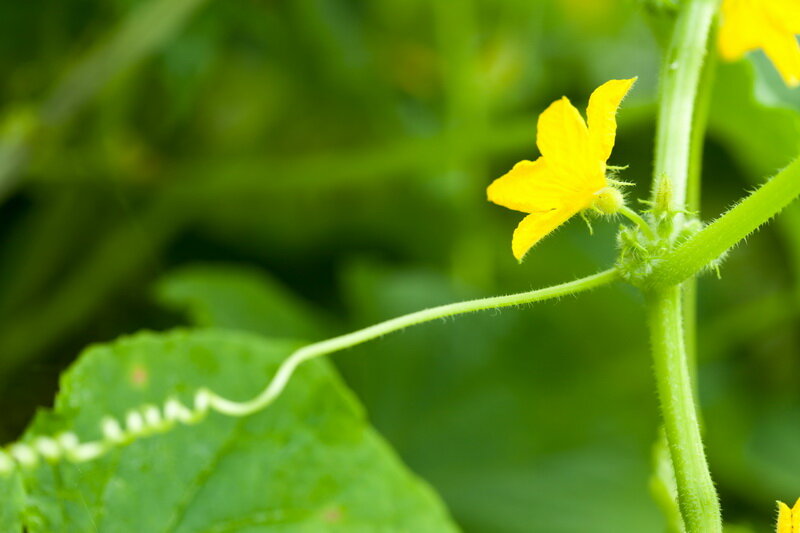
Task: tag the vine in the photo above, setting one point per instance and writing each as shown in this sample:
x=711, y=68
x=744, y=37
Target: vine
x=150, y=419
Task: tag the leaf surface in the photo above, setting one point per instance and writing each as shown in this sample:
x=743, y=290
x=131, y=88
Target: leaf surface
x=309, y=462
x=238, y=297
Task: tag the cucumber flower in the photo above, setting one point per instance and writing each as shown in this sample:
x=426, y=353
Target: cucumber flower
x=570, y=175
x=767, y=24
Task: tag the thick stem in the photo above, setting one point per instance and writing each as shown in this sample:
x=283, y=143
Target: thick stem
x=680, y=75
x=697, y=497
x=693, y=191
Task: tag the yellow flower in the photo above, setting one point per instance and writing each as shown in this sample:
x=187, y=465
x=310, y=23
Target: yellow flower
x=789, y=519
x=570, y=175
x=767, y=24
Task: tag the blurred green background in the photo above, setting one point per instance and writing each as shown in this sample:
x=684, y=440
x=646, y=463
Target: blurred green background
x=301, y=168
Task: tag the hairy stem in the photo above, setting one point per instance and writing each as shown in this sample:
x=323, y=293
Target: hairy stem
x=693, y=192
x=697, y=252
x=148, y=420
x=378, y=330
x=697, y=497
x=680, y=76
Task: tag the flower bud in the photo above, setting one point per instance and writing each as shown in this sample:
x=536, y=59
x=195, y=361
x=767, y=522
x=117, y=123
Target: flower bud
x=608, y=201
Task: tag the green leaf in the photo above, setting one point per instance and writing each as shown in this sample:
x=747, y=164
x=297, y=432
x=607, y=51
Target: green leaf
x=736, y=113
x=742, y=104
x=237, y=297
x=308, y=463
x=11, y=503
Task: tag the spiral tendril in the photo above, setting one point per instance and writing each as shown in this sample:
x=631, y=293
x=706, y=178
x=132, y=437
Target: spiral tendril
x=149, y=419
x=138, y=423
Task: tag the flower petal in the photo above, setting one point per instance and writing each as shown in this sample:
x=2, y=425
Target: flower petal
x=536, y=226
x=602, y=112
x=750, y=24
x=784, y=14
x=563, y=139
x=530, y=187
x=796, y=516
x=784, y=518
x=784, y=52
x=740, y=29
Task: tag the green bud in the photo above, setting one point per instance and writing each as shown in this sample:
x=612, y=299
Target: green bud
x=608, y=201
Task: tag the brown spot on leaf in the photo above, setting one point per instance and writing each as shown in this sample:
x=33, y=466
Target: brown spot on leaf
x=332, y=515
x=139, y=376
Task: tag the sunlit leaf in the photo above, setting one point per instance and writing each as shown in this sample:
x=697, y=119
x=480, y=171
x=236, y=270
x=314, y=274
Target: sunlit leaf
x=308, y=463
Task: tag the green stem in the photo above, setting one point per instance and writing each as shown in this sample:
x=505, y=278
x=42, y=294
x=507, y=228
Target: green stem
x=663, y=486
x=699, y=126
x=680, y=75
x=697, y=497
x=693, y=191
x=698, y=251
x=679, y=78
x=142, y=422
x=690, y=328
x=349, y=340
x=634, y=217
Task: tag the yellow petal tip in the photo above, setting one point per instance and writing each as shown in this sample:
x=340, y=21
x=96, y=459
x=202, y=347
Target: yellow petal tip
x=785, y=519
